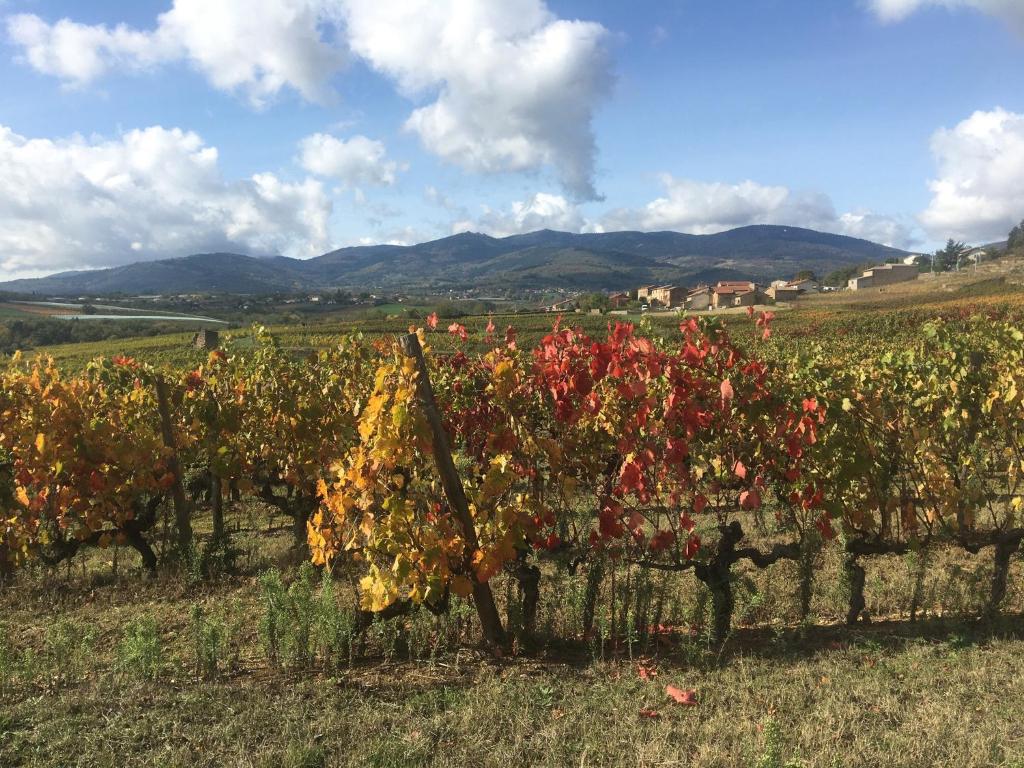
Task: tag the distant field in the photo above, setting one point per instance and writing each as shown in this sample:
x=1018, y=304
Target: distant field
x=846, y=319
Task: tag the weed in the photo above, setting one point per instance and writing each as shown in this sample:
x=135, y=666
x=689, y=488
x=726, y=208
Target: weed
x=208, y=640
x=68, y=648
x=772, y=755
x=335, y=628
x=140, y=654
x=8, y=659
x=272, y=623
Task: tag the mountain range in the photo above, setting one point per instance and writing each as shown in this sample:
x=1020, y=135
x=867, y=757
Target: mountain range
x=536, y=260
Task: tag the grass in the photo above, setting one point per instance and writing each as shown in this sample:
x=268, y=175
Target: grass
x=108, y=668
x=873, y=698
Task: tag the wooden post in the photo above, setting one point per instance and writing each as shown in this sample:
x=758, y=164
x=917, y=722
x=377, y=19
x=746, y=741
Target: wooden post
x=486, y=609
x=182, y=510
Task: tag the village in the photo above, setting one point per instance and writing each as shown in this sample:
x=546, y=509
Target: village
x=730, y=294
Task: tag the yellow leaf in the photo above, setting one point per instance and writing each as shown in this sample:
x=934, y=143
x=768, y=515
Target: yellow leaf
x=40, y=442
x=22, y=496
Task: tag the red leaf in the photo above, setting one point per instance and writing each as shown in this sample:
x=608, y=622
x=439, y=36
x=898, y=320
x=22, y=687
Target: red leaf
x=687, y=698
x=650, y=714
x=458, y=330
x=740, y=470
x=432, y=320
x=699, y=503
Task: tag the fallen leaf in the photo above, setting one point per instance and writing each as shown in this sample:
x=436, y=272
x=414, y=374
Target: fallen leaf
x=650, y=714
x=687, y=698
x=646, y=673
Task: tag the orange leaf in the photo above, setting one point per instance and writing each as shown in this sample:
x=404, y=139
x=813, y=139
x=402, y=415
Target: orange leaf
x=727, y=391
x=687, y=698
x=646, y=673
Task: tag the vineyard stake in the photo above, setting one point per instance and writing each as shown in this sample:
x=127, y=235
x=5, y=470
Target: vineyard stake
x=453, y=490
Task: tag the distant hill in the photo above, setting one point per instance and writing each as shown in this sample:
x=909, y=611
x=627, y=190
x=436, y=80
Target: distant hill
x=542, y=259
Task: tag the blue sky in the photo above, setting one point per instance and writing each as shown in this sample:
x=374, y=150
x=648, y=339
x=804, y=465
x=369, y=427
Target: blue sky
x=160, y=128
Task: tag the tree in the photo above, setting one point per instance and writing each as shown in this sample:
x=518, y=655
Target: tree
x=840, y=277
x=949, y=258
x=594, y=301
x=1016, y=238
x=806, y=274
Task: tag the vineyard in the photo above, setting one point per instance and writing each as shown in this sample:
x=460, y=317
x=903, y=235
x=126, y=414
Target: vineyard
x=620, y=493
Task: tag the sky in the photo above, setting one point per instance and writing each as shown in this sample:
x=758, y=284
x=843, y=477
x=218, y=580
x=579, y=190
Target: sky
x=160, y=128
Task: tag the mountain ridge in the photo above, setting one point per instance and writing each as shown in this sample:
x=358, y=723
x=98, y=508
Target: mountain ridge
x=532, y=260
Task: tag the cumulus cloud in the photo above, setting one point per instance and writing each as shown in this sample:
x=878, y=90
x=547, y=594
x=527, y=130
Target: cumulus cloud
x=1011, y=11
x=879, y=228
x=514, y=87
x=979, y=192
x=695, y=207
x=703, y=208
x=700, y=208
x=151, y=193
x=506, y=86
x=255, y=46
x=354, y=161
x=540, y=211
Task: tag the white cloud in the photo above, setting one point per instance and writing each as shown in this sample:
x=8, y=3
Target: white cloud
x=703, y=208
x=979, y=193
x=256, y=46
x=76, y=203
x=699, y=208
x=1011, y=11
x=508, y=86
x=876, y=227
x=514, y=88
x=540, y=211
x=695, y=207
x=354, y=161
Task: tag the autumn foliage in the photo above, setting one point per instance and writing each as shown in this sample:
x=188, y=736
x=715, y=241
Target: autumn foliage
x=659, y=453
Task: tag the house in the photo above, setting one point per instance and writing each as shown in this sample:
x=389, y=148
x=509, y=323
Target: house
x=643, y=293
x=619, y=300
x=206, y=339
x=806, y=285
x=699, y=299
x=885, y=274
x=734, y=293
x=747, y=298
x=667, y=295
x=784, y=292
